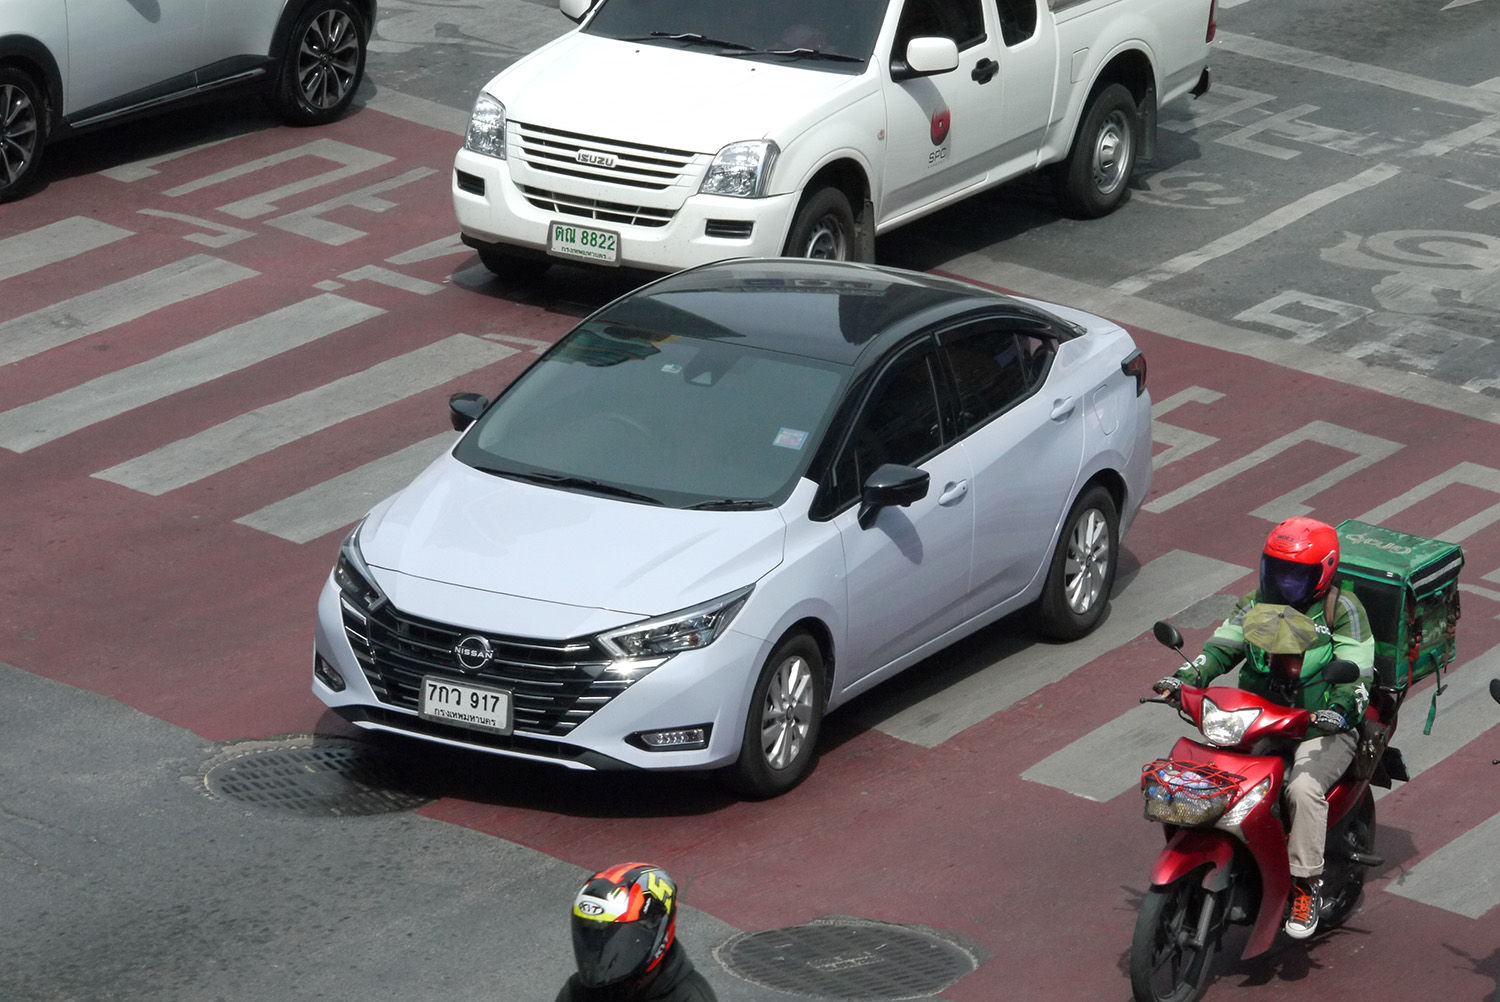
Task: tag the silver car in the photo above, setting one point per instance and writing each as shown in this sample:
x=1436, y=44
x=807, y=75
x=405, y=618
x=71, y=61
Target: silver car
x=730, y=501
x=71, y=65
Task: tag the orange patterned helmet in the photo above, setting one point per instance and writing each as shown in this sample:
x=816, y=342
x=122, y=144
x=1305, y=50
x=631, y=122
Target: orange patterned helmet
x=624, y=920
x=1297, y=565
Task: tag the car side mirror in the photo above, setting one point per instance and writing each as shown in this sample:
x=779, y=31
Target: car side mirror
x=464, y=409
x=926, y=55
x=1340, y=671
x=891, y=485
x=575, y=10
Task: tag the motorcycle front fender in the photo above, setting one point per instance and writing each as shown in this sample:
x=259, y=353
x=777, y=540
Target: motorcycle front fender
x=1189, y=849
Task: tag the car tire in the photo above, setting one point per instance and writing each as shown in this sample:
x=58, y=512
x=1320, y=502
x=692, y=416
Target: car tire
x=823, y=228
x=781, y=727
x=504, y=264
x=323, y=63
x=1095, y=178
x=23, y=132
x=1082, y=571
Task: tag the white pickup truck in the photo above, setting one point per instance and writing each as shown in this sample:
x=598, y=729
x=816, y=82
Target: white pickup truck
x=661, y=134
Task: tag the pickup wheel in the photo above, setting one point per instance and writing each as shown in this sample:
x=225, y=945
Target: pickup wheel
x=503, y=264
x=1095, y=178
x=22, y=118
x=823, y=228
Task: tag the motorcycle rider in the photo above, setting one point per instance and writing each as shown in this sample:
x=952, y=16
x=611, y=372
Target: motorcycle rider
x=1296, y=569
x=625, y=941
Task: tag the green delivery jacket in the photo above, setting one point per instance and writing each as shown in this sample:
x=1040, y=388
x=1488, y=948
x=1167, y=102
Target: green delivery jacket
x=1347, y=637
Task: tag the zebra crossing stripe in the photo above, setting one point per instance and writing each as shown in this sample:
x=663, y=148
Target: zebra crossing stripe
x=42, y=421
x=55, y=242
x=259, y=431
x=112, y=305
x=341, y=501
x=1163, y=587
x=1465, y=711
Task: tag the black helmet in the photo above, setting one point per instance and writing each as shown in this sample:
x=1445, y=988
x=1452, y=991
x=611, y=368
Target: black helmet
x=624, y=920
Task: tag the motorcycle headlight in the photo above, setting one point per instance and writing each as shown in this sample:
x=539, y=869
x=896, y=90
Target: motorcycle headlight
x=1241, y=808
x=1225, y=727
x=486, y=133
x=741, y=169
x=664, y=636
x=359, y=591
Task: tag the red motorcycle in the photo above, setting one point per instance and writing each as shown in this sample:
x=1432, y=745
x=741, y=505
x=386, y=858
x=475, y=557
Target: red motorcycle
x=1225, y=861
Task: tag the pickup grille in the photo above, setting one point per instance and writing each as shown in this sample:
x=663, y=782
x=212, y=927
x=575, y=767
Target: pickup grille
x=593, y=208
x=635, y=166
x=555, y=685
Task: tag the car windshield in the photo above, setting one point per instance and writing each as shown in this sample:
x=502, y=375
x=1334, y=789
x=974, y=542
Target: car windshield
x=840, y=34
x=686, y=420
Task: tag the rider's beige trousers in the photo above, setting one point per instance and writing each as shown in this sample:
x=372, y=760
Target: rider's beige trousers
x=1316, y=765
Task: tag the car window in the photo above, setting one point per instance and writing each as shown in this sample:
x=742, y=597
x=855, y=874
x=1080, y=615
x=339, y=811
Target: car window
x=899, y=423
x=960, y=20
x=1017, y=20
x=995, y=365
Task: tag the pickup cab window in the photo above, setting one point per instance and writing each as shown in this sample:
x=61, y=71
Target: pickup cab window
x=1017, y=20
x=832, y=32
x=960, y=20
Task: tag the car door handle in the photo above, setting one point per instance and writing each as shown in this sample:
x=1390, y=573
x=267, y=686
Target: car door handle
x=953, y=493
x=985, y=70
x=1062, y=407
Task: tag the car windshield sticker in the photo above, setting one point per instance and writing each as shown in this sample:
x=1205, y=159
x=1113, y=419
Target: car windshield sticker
x=790, y=438
x=671, y=367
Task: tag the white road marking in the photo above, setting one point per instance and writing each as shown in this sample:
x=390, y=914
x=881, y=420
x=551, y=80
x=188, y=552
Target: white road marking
x=1265, y=226
x=1180, y=442
x=352, y=160
x=342, y=500
x=1464, y=712
x=219, y=235
x=1462, y=877
x=55, y=242
x=309, y=223
x=394, y=279
x=252, y=434
x=110, y=395
x=441, y=247
x=103, y=308
x=1163, y=587
x=1468, y=474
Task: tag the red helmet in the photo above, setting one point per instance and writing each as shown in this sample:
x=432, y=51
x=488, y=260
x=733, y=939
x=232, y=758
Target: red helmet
x=1297, y=565
x=624, y=920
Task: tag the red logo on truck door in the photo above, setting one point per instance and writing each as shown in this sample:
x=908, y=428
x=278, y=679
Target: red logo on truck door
x=940, y=121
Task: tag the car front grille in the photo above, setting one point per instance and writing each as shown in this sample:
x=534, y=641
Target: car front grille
x=554, y=685
x=573, y=154
x=590, y=208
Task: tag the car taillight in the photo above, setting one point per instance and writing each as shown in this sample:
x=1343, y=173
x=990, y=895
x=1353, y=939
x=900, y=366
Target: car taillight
x=1135, y=367
x=1213, y=9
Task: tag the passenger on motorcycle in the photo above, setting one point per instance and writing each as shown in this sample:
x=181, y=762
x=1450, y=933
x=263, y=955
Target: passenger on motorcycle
x=1296, y=570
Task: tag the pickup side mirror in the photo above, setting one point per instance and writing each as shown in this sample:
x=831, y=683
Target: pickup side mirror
x=464, y=409
x=575, y=10
x=1340, y=671
x=926, y=55
x=890, y=485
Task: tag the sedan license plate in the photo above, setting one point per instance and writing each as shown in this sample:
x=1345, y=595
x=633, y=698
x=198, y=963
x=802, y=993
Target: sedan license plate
x=598, y=246
x=466, y=705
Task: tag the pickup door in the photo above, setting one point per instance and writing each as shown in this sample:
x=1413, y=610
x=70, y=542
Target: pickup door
x=951, y=131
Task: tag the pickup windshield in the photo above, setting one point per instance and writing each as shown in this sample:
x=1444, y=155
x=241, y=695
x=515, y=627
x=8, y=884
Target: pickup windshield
x=838, y=34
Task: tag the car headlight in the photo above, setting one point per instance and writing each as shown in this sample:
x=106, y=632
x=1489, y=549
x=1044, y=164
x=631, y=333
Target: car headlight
x=1225, y=727
x=741, y=169
x=486, y=133
x=360, y=593
x=666, y=635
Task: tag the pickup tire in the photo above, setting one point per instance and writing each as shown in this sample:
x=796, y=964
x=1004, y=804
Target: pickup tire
x=823, y=228
x=1095, y=178
x=518, y=267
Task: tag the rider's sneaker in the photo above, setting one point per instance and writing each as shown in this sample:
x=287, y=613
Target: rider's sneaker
x=1303, y=921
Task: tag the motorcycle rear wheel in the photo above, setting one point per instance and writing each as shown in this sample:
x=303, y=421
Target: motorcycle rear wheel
x=1344, y=880
x=1164, y=965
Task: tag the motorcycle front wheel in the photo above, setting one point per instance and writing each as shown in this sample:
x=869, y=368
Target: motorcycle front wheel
x=1165, y=965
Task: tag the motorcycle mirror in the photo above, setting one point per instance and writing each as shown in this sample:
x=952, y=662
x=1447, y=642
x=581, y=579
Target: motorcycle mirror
x=1495, y=689
x=1340, y=671
x=1166, y=633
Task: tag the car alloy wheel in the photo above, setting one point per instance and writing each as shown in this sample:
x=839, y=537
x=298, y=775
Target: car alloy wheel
x=1087, y=564
x=328, y=58
x=20, y=133
x=786, y=715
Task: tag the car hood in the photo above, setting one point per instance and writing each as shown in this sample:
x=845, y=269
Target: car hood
x=636, y=92
x=457, y=526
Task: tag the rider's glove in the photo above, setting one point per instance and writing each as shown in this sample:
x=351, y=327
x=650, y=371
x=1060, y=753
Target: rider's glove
x=1329, y=720
x=1167, y=686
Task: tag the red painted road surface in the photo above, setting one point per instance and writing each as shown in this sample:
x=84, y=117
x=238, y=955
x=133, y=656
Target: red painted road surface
x=167, y=604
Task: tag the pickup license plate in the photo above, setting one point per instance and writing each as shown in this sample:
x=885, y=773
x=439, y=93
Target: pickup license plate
x=466, y=705
x=585, y=242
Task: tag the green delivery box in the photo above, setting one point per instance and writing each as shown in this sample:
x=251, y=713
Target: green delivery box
x=1409, y=586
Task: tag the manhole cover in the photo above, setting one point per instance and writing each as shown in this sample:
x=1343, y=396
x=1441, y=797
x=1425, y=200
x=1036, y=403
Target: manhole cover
x=848, y=959
x=313, y=775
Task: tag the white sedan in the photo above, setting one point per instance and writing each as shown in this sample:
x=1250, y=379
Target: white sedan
x=727, y=503
x=71, y=65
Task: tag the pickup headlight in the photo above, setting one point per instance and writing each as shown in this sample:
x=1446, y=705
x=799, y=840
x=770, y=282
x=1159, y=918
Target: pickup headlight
x=486, y=133
x=666, y=635
x=741, y=169
x=1225, y=727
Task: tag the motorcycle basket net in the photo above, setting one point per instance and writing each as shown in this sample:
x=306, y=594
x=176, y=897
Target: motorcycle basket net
x=1187, y=794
